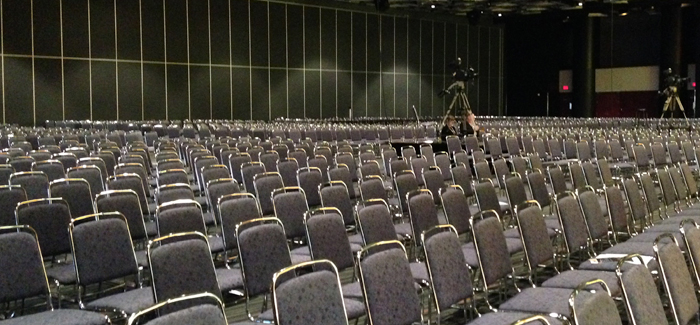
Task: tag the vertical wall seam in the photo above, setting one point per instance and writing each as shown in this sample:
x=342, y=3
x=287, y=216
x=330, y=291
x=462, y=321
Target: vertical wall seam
x=63, y=73
x=31, y=4
x=165, y=54
x=211, y=97
x=143, y=100
x=189, y=84
x=116, y=59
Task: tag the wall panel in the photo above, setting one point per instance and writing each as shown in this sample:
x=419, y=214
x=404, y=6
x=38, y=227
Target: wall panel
x=202, y=59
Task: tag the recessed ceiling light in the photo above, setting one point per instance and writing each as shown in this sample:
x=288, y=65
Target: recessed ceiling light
x=432, y=6
x=500, y=15
x=580, y=4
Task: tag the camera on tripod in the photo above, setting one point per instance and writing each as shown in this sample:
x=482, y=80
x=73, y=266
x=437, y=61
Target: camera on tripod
x=672, y=82
x=460, y=78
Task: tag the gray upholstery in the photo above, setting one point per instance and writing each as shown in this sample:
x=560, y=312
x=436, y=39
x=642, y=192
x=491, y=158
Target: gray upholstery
x=103, y=251
x=288, y=170
x=638, y=210
x=405, y=183
x=397, y=165
x=348, y=160
x=263, y=251
x=422, y=212
x=129, y=302
x=181, y=268
x=507, y=318
x=174, y=192
x=388, y=289
x=249, y=171
x=667, y=189
x=35, y=185
x=599, y=309
x=556, y=176
x=130, y=182
x=677, y=283
x=235, y=163
x=310, y=180
x=443, y=161
x=450, y=276
x=487, y=198
x=77, y=194
x=462, y=176
x=342, y=174
x=9, y=198
x=23, y=273
x=60, y=317
x=290, y=208
x=492, y=250
x=214, y=172
x=336, y=196
x=328, y=240
x=322, y=164
x=313, y=298
x=264, y=186
x=501, y=168
x=456, y=209
x=22, y=163
x=372, y=188
x=53, y=169
x=678, y=183
x=571, y=279
x=606, y=176
x=217, y=189
x=538, y=188
x=229, y=279
x=181, y=218
x=542, y=300
x=533, y=227
x=578, y=178
x=50, y=220
x=597, y=225
x=642, y=297
x=172, y=176
x=233, y=211
x=269, y=159
x=515, y=189
x=127, y=203
x=434, y=182
x=375, y=224
x=649, y=188
x=483, y=170
x=575, y=232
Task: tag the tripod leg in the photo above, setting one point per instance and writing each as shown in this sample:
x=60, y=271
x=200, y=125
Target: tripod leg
x=667, y=104
x=680, y=105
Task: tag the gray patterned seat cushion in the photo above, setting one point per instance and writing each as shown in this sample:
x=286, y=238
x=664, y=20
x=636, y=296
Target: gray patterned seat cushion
x=666, y=226
x=196, y=315
x=353, y=290
x=63, y=273
x=130, y=302
x=506, y=318
x=59, y=317
x=541, y=300
x=229, y=279
x=571, y=279
x=354, y=309
x=151, y=229
x=685, y=214
x=403, y=229
x=303, y=250
x=650, y=236
x=142, y=258
x=611, y=265
x=216, y=244
x=469, y=252
x=296, y=259
x=356, y=239
x=420, y=272
x=514, y=245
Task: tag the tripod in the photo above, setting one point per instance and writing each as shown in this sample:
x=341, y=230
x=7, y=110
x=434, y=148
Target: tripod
x=460, y=97
x=672, y=101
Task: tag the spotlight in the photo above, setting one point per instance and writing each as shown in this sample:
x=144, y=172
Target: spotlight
x=432, y=6
x=580, y=4
x=500, y=15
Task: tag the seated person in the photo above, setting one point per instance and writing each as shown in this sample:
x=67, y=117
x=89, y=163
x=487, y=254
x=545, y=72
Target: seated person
x=449, y=128
x=469, y=126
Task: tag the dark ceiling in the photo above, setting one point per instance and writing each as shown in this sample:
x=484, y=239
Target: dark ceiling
x=524, y=7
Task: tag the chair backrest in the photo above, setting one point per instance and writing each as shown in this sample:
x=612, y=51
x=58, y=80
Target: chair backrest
x=591, y=173
x=52, y=168
x=676, y=279
x=573, y=222
x=578, y=178
x=181, y=264
x=321, y=163
x=595, y=219
x=456, y=208
x=583, y=151
x=404, y=182
x=502, y=171
x=235, y=164
x=538, y=188
x=640, y=294
x=35, y=184
x=322, y=301
x=248, y=172
x=689, y=179
x=261, y=237
x=180, y=216
x=22, y=163
x=617, y=211
x=310, y=179
x=679, y=184
x=418, y=165
x=23, y=267
x=519, y=165
x=691, y=238
x=557, y=179
x=397, y=164
x=289, y=207
x=370, y=168
x=383, y=271
x=372, y=187
x=173, y=192
x=76, y=192
x=422, y=211
x=265, y=184
x=486, y=196
x=374, y=221
x=447, y=267
x=102, y=248
x=341, y=173
x=668, y=190
x=325, y=232
x=91, y=174
x=461, y=157
x=658, y=154
x=515, y=190
x=491, y=250
x=533, y=232
x=5, y=171
x=208, y=309
x=462, y=176
x=50, y=219
x=95, y=161
x=288, y=169
x=234, y=209
x=606, y=175
x=593, y=309
x=433, y=180
x=10, y=197
x=171, y=176
x=127, y=203
x=482, y=170
x=442, y=160
x=336, y=196
x=454, y=144
x=212, y=172
x=129, y=182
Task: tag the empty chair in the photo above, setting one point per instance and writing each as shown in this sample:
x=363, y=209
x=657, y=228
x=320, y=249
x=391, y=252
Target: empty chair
x=22, y=163
x=131, y=182
x=127, y=203
x=502, y=172
x=515, y=191
x=181, y=264
x=487, y=199
x=173, y=192
x=442, y=160
x=234, y=209
x=289, y=207
x=22, y=262
x=76, y=192
x=456, y=208
x=433, y=180
x=454, y=144
x=658, y=155
x=336, y=196
x=179, y=216
x=103, y=251
x=10, y=197
x=35, y=184
x=341, y=173
x=677, y=283
x=310, y=179
x=5, y=171
x=591, y=173
x=578, y=178
x=218, y=188
x=538, y=188
x=164, y=164
x=422, y=212
x=270, y=159
x=370, y=168
x=213, y=172
x=372, y=187
x=171, y=176
x=248, y=172
x=322, y=301
x=557, y=179
x=384, y=270
x=109, y=160
x=405, y=182
x=418, y=165
x=94, y=161
x=321, y=163
x=265, y=184
x=300, y=156
x=482, y=170
x=52, y=168
x=639, y=293
x=288, y=170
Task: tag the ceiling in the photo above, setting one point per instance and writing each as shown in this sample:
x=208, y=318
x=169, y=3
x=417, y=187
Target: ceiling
x=510, y=7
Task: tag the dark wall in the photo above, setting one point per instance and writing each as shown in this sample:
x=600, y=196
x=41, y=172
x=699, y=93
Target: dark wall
x=223, y=59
